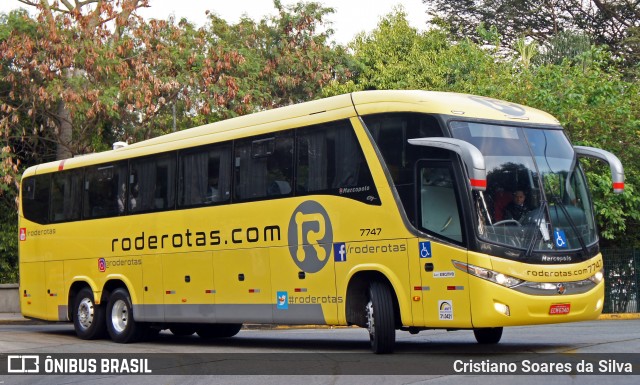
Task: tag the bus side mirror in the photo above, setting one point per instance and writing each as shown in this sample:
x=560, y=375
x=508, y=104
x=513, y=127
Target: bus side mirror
x=617, y=171
x=471, y=156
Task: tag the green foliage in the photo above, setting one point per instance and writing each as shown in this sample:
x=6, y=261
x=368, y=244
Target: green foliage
x=285, y=58
x=611, y=23
x=618, y=215
x=8, y=244
x=566, y=45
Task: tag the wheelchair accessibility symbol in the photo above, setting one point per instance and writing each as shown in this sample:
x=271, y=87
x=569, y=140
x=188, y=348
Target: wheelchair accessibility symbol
x=560, y=239
x=425, y=249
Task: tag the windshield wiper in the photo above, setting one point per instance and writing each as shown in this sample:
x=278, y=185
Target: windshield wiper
x=538, y=220
x=559, y=203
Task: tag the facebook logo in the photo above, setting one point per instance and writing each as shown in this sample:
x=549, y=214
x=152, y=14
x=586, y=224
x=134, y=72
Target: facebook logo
x=340, y=252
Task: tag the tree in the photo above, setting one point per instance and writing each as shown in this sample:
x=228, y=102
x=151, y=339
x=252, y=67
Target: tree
x=91, y=23
x=512, y=18
x=287, y=58
x=614, y=23
x=396, y=56
x=105, y=82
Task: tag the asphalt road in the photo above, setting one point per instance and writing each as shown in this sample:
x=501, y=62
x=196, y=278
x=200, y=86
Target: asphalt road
x=341, y=356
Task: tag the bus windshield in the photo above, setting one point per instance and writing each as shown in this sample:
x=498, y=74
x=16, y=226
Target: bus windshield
x=536, y=197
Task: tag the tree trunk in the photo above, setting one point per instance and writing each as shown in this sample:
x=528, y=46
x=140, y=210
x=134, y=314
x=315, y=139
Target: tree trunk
x=65, y=133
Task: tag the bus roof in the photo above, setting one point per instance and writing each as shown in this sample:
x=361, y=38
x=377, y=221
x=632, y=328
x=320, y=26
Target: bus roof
x=313, y=112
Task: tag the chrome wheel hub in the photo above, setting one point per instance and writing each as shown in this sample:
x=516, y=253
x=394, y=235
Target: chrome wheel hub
x=119, y=316
x=370, y=321
x=85, y=313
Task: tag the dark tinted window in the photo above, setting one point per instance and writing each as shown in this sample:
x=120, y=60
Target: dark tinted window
x=35, y=198
x=205, y=176
x=66, y=196
x=264, y=167
x=391, y=132
x=330, y=161
x=105, y=190
x=152, y=183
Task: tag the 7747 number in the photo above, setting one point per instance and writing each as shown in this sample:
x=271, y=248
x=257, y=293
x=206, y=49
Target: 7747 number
x=370, y=232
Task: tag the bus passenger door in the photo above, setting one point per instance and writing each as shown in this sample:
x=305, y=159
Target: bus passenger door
x=445, y=290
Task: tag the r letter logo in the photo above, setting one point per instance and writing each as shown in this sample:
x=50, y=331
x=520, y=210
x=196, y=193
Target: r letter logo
x=310, y=236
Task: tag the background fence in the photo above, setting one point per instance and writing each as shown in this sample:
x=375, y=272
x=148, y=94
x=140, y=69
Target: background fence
x=621, y=268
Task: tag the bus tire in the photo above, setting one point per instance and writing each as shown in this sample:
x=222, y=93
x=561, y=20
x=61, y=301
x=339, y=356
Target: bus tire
x=121, y=325
x=487, y=336
x=380, y=318
x=88, y=318
x=218, y=330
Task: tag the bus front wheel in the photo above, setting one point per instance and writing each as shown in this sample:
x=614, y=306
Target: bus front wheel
x=488, y=335
x=380, y=318
x=88, y=318
x=121, y=326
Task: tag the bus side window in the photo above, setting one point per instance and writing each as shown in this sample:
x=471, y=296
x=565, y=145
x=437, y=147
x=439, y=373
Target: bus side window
x=103, y=185
x=35, y=198
x=205, y=176
x=330, y=159
x=264, y=167
x=66, y=196
x=152, y=183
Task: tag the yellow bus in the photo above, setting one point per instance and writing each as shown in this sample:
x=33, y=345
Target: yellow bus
x=389, y=210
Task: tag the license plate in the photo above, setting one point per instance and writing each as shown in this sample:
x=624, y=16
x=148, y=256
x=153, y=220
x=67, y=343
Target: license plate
x=560, y=308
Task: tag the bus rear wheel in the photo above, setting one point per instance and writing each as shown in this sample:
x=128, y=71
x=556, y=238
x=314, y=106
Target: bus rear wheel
x=121, y=326
x=380, y=318
x=218, y=330
x=488, y=336
x=88, y=318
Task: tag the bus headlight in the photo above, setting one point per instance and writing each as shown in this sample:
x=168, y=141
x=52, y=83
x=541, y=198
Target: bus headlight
x=489, y=275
